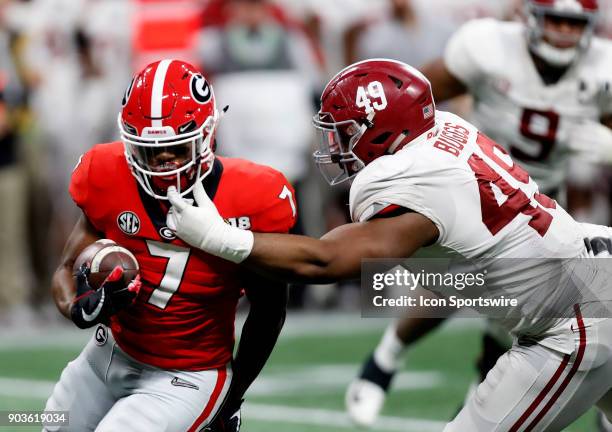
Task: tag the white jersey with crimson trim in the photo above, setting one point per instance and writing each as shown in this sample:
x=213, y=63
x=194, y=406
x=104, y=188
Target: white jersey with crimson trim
x=438, y=177
x=483, y=204
x=514, y=106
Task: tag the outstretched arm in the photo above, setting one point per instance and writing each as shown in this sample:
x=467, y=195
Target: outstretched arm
x=338, y=254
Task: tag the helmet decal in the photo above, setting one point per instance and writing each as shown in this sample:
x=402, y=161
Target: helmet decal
x=200, y=89
x=157, y=92
x=371, y=97
x=128, y=93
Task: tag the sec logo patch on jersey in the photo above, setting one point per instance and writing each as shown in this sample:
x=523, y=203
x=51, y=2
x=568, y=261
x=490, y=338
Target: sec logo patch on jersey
x=128, y=222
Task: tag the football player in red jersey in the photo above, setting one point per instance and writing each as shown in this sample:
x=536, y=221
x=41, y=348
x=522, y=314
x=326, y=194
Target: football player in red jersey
x=161, y=358
x=423, y=177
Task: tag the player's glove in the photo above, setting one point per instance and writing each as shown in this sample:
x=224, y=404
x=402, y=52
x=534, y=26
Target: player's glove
x=91, y=307
x=228, y=419
x=592, y=140
x=202, y=226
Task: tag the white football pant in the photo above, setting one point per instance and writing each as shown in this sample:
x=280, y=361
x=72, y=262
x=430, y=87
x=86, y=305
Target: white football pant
x=105, y=390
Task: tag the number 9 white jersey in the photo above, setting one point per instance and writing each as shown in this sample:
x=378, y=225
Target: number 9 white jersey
x=514, y=106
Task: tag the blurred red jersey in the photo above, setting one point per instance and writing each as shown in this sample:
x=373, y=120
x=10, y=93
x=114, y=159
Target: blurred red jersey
x=183, y=317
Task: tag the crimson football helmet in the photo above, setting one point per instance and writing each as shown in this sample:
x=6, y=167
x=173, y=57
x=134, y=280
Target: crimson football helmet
x=167, y=125
x=370, y=109
x=585, y=11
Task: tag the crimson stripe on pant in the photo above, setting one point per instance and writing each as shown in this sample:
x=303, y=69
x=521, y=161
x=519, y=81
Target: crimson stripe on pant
x=569, y=376
x=221, y=377
x=542, y=395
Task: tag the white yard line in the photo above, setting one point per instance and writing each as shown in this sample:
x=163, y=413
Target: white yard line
x=299, y=324
x=322, y=379
x=330, y=418
x=25, y=388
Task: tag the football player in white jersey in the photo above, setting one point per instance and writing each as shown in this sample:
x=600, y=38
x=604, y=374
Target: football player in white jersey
x=425, y=178
x=541, y=89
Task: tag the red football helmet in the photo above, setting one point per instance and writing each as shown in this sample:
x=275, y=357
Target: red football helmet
x=585, y=11
x=369, y=109
x=167, y=125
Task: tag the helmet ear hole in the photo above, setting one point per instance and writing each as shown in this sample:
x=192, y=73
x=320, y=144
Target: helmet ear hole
x=398, y=82
x=382, y=138
x=130, y=129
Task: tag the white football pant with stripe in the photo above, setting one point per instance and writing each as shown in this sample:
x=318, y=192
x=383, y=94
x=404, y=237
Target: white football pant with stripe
x=105, y=390
x=535, y=388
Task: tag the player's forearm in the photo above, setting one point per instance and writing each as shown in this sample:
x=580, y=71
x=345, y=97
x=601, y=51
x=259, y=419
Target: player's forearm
x=338, y=254
x=63, y=289
x=294, y=258
x=63, y=285
x=259, y=335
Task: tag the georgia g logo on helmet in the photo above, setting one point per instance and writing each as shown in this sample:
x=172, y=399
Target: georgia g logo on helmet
x=200, y=89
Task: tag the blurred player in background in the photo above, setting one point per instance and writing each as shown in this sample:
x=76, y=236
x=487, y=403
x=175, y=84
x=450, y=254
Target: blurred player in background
x=16, y=285
x=166, y=364
x=403, y=33
x=542, y=90
x=424, y=177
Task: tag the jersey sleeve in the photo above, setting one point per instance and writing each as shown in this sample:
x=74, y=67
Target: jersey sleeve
x=83, y=191
x=277, y=211
x=464, y=49
x=376, y=191
x=79, y=185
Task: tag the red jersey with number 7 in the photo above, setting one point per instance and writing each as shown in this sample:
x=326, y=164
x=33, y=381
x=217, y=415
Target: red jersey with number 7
x=183, y=317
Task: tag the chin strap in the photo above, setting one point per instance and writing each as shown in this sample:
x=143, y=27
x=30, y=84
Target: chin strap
x=554, y=56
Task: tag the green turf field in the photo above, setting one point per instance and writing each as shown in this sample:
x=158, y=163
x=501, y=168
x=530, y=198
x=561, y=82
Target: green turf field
x=302, y=387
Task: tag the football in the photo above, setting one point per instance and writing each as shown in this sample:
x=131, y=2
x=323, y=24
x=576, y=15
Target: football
x=101, y=257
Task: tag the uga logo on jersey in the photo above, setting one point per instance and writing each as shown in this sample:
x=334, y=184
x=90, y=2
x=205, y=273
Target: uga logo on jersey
x=101, y=335
x=128, y=222
x=167, y=233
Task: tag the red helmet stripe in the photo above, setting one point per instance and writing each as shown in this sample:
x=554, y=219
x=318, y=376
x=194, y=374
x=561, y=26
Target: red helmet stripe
x=157, y=92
